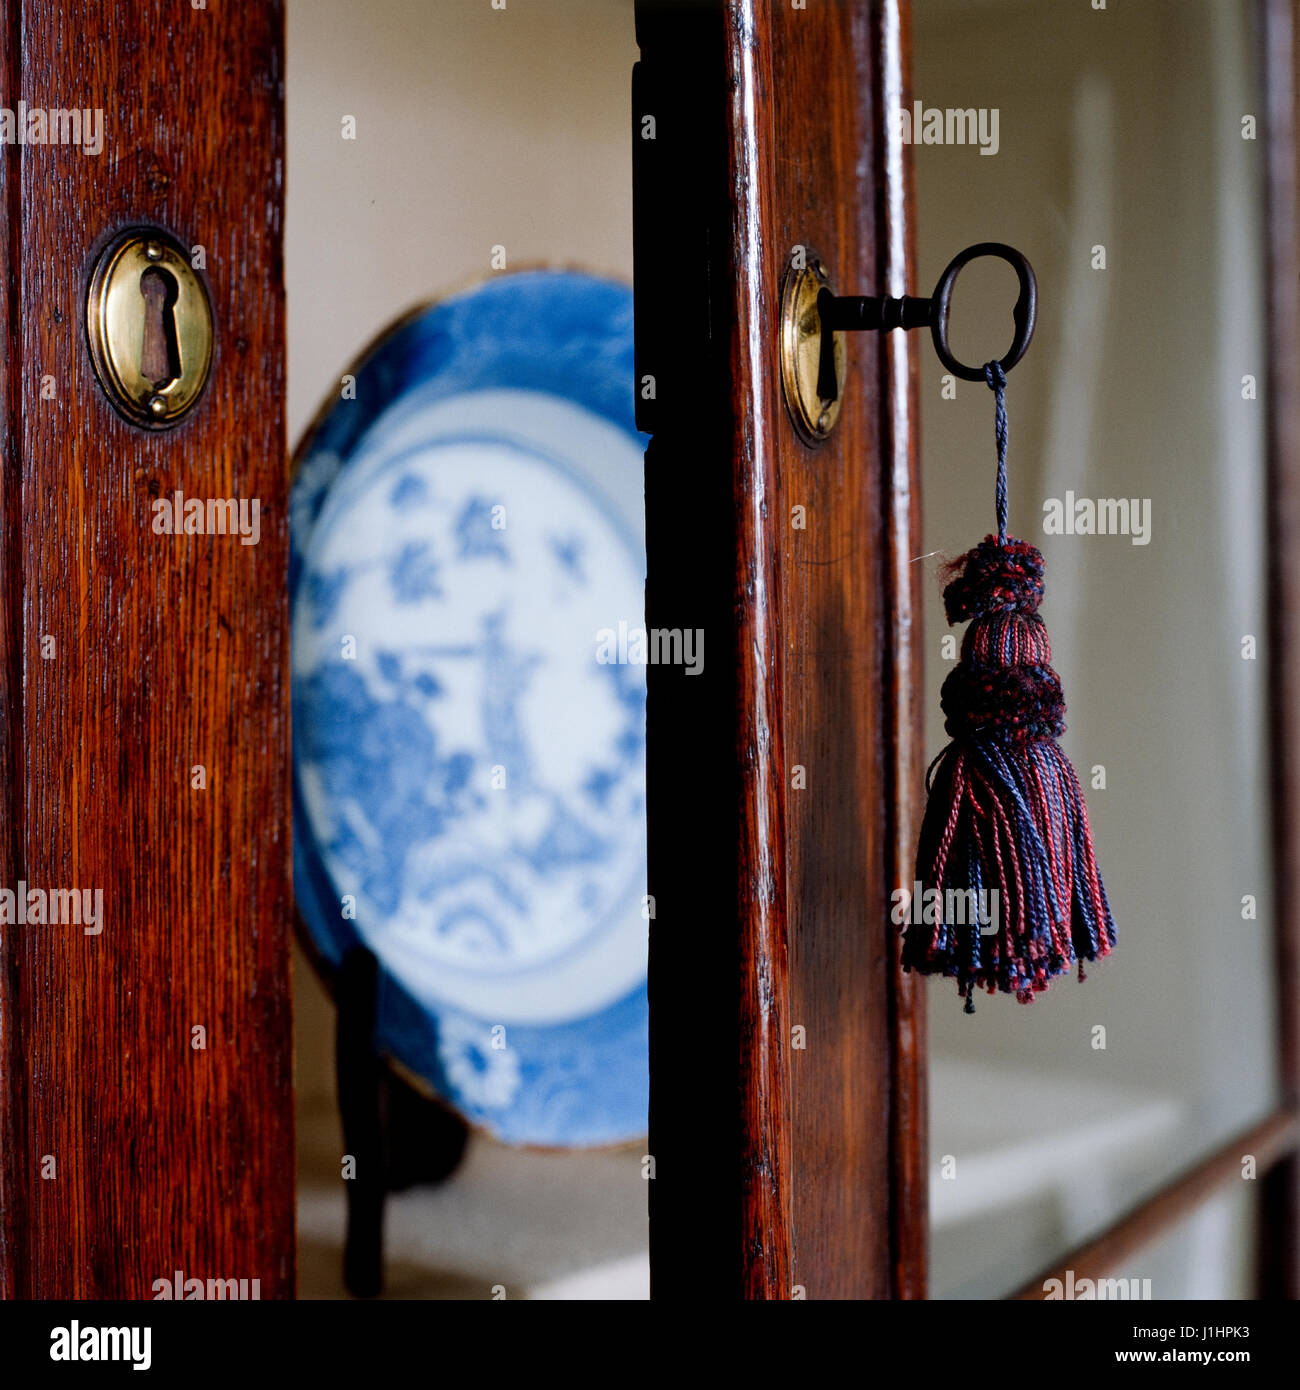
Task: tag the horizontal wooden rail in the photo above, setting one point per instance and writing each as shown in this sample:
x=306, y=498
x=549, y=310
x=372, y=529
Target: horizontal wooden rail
x=1274, y=1139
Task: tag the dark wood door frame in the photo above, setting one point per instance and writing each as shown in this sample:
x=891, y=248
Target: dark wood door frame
x=132, y=1146
x=787, y=1094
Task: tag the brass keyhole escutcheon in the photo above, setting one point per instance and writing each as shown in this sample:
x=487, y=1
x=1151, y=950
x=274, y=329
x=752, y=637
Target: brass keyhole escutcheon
x=149, y=325
x=812, y=372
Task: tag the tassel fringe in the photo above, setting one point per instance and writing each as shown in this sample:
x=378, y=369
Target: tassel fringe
x=1005, y=843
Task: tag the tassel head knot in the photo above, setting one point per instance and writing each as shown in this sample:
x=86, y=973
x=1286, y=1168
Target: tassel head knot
x=1003, y=702
x=995, y=577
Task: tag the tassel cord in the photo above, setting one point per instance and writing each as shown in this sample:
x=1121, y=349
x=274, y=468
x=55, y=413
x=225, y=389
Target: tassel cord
x=997, y=380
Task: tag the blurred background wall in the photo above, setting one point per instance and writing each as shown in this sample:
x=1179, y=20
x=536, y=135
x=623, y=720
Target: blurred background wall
x=475, y=128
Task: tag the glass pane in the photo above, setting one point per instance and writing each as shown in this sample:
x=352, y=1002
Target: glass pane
x=1209, y=1254
x=1111, y=146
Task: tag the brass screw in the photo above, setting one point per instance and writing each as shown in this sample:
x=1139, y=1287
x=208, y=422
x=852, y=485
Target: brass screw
x=158, y=406
x=824, y=420
x=153, y=250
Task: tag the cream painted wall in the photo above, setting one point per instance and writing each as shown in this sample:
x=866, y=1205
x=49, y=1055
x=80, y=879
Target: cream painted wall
x=475, y=128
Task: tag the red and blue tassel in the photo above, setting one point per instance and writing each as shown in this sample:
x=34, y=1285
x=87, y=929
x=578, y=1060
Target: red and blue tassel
x=1005, y=827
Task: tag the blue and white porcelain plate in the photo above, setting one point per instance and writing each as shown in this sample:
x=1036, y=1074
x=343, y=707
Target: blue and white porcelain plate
x=469, y=778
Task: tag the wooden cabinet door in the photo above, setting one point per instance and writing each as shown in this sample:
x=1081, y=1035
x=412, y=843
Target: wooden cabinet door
x=787, y=1100
x=145, y=1071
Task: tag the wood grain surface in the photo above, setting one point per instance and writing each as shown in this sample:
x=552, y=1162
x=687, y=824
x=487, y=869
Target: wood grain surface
x=169, y=653
x=787, y=1095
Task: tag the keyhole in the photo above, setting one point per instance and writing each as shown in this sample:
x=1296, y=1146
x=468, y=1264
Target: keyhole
x=160, y=359
x=828, y=384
